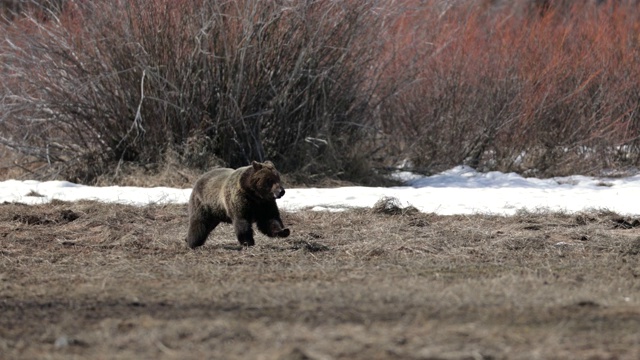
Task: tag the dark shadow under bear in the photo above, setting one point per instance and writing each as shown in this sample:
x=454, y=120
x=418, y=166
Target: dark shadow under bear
x=242, y=197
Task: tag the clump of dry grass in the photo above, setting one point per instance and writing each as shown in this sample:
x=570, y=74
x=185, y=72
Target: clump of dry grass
x=392, y=206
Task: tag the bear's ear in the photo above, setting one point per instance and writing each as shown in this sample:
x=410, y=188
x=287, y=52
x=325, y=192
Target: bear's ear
x=256, y=165
x=269, y=164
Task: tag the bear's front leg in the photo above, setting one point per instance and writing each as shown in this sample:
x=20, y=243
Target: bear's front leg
x=273, y=228
x=283, y=233
x=244, y=232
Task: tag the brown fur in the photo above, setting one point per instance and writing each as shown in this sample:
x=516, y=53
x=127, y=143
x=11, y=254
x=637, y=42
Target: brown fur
x=242, y=197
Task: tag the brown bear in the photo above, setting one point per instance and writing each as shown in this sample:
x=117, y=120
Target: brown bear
x=241, y=197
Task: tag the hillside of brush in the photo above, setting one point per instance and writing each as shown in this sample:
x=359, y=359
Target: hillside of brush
x=108, y=92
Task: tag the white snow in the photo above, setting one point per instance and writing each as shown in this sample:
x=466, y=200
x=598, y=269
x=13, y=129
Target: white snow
x=460, y=190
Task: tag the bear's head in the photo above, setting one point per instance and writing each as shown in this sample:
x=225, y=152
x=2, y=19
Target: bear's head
x=264, y=181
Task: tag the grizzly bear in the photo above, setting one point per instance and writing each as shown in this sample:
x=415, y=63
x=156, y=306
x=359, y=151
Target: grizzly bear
x=241, y=197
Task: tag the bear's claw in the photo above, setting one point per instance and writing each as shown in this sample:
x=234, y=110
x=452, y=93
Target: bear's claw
x=284, y=233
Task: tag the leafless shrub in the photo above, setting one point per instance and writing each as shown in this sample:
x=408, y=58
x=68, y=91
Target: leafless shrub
x=108, y=82
x=43, y=9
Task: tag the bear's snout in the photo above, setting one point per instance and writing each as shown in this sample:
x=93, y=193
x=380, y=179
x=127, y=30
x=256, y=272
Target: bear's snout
x=279, y=193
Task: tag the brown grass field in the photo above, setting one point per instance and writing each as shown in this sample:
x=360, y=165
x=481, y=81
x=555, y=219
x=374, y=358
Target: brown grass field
x=103, y=281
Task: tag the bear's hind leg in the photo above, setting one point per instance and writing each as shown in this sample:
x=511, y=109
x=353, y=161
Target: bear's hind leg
x=244, y=232
x=200, y=227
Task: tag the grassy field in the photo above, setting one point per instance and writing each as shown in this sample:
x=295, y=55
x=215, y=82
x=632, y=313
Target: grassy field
x=91, y=280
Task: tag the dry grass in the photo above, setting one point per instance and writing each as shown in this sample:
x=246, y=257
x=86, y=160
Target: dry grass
x=91, y=280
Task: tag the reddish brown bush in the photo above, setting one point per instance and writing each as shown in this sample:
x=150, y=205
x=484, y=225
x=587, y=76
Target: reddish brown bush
x=502, y=87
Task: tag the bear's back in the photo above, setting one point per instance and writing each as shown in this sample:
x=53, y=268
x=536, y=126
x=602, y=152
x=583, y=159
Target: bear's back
x=209, y=187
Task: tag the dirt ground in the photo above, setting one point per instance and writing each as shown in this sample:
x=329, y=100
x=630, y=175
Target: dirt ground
x=103, y=281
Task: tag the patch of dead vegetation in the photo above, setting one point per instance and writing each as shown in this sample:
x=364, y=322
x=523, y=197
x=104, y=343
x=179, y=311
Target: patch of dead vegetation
x=85, y=279
x=392, y=206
